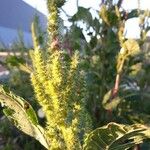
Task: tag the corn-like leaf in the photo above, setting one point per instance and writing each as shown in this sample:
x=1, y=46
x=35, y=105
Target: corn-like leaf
x=116, y=137
x=22, y=115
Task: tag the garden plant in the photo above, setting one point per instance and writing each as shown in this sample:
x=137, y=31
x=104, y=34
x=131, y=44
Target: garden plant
x=94, y=95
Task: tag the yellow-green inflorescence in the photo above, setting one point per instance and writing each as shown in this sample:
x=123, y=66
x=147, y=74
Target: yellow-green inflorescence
x=53, y=22
x=60, y=90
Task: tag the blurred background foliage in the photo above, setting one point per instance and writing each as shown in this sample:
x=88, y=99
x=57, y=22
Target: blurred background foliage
x=99, y=59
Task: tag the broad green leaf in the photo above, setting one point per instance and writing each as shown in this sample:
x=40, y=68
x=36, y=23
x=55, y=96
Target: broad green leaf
x=135, y=13
x=77, y=32
x=96, y=25
x=116, y=137
x=136, y=69
x=83, y=14
x=131, y=48
x=22, y=115
x=108, y=103
x=14, y=60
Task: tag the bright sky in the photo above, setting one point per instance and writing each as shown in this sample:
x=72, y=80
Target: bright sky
x=131, y=4
x=70, y=7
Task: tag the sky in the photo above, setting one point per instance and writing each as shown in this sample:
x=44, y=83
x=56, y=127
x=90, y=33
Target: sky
x=70, y=5
x=132, y=27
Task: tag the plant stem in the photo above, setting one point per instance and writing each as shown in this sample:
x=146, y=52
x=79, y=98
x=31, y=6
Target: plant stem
x=116, y=87
x=137, y=147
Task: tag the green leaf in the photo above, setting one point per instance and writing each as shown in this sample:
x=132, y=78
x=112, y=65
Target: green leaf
x=76, y=32
x=22, y=115
x=14, y=60
x=116, y=137
x=110, y=104
x=83, y=14
x=131, y=47
x=96, y=25
x=134, y=13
